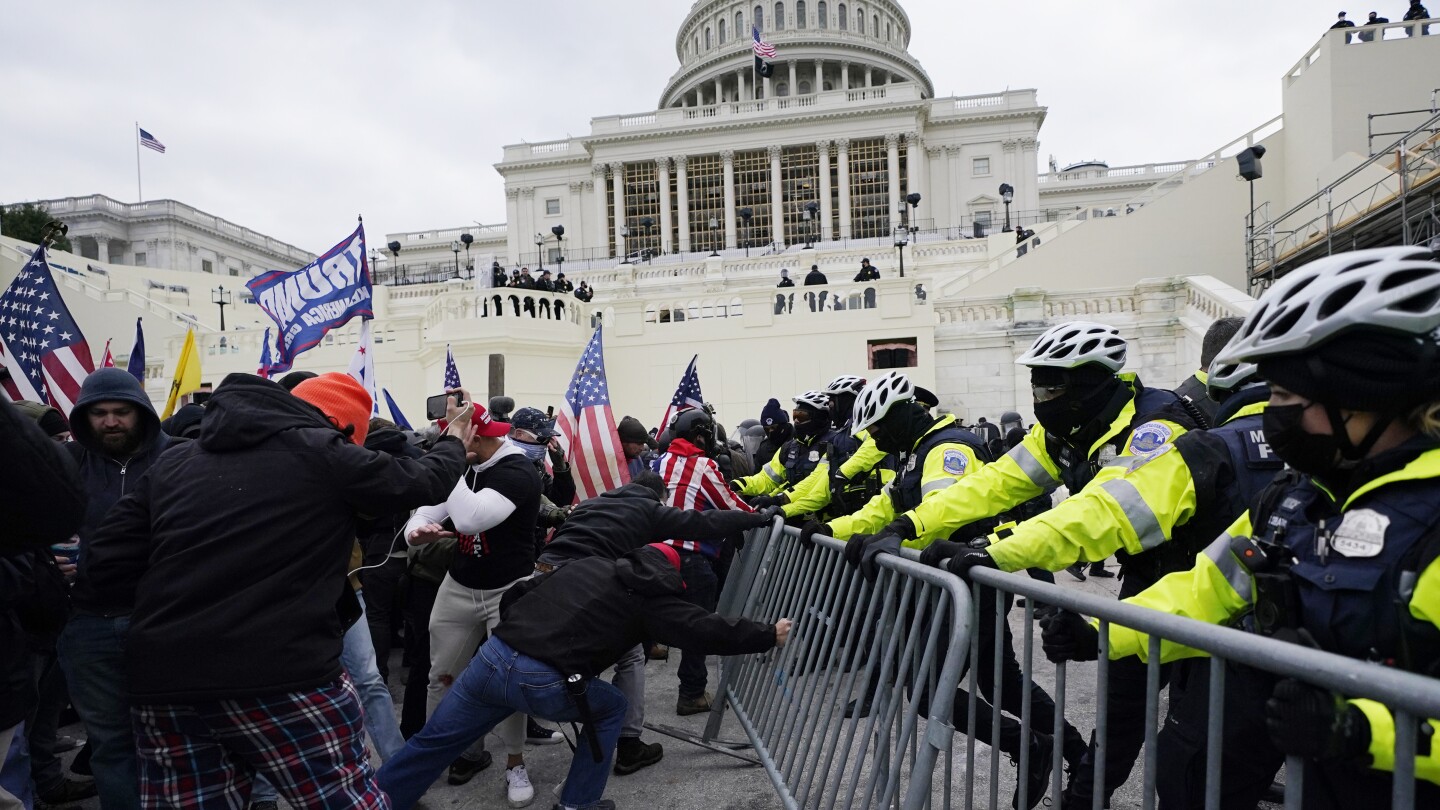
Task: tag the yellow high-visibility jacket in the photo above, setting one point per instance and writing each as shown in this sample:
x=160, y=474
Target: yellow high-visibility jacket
x=813, y=494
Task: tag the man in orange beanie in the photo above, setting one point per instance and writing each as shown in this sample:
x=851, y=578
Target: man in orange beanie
x=234, y=548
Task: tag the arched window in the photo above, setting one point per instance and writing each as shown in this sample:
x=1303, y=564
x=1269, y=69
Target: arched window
x=799, y=13
x=804, y=88
x=860, y=20
x=707, y=39
x=824, y=18
x=759, y=18
x=782, y=89
x=779, y=17
x=889, y=35
x=875, y=24
x=844, y=21
x=722, y=32
x=739, y=25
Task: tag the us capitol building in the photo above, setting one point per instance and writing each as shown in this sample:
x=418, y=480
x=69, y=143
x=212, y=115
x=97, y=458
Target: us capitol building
x=682, y=218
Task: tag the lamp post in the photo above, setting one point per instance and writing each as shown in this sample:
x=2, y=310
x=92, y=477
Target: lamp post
x=810, y=215
x=1250, y=171
x=455, y=248
x=646, y=225
x=559, y=231
x=540, y=250
x=746, y=214
x=221, y=298
x=1007, y=193
x=466, y=239
x=714, y=236
x=901, y=240
x=913, y=199
x=395, y=251
x=624, y=254
x=375, y=259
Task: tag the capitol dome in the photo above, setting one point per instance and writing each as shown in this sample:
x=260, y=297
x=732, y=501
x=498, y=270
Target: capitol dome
x=821, y=45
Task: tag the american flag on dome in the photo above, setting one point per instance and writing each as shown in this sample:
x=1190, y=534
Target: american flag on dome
x=687, y=396
x=762, y=49
x=452, y=374
x=588, y=427
x=40, y=343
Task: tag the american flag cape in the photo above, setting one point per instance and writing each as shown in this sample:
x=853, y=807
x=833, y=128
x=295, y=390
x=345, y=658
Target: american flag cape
x=687, y=395
x=588, y=427
x=40, y=343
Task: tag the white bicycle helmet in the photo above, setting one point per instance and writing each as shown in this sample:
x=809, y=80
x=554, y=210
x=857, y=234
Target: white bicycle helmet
x=846, y=384
x=1390, y=289
x=1074, y=344
x=814, y=399
x=1225, y=379
x=878, y=397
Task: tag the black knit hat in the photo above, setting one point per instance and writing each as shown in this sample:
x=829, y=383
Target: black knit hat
x=1375, y=371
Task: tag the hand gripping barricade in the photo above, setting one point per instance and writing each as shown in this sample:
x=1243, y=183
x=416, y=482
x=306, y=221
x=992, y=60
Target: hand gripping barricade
x=906, y=631
x=914, y=627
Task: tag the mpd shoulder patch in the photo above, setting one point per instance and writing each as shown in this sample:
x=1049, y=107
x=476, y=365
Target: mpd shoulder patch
x=955, y=462
x=1150, y=437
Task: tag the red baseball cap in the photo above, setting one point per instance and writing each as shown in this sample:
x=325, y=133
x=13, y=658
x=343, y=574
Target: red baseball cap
x=486, y=426
x=670, y=553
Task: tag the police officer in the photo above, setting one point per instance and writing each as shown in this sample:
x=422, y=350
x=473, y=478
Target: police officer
x=1090, y=415
x=935, y=453
x=840, y=484
x=1186, y=492
x=1350, y=347
x=797, y=458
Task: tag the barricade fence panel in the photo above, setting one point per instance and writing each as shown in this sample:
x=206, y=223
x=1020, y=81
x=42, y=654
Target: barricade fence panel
x=854, y=711
x=861, y=707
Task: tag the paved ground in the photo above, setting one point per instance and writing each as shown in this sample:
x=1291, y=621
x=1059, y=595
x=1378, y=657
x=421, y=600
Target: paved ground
x=692, y=778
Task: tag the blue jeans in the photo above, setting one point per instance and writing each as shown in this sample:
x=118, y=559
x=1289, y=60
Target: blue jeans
x=92, y=652
x=497, y=683
x=702, y=589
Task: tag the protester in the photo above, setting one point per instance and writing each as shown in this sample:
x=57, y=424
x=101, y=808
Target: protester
x=239, y=541
x=584, y=292
x=575, y=622
x=117, y=440
x=815, y=278
x=491, y=510
x=694, y=482
x=384, y=548
x=1341, y=22
x=563, y=284
x=638, y=446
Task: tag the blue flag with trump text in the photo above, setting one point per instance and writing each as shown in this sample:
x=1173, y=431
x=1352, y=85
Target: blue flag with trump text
x=322, y=295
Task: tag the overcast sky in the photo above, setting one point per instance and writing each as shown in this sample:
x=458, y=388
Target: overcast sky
x=292, y=117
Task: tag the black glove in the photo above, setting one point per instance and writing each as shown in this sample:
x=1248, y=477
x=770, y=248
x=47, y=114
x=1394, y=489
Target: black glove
x=1066, y=636
x=1312, y=722
x=854, y=546
x=938, y=553
x=736, y=486
x=767, y=501
x=863, y=549
x=769, y=514
x=812, y=528
x=961, y=563
x=902, y=527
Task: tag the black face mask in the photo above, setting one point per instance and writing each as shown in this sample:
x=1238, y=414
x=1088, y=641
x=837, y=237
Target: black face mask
x=1067, y=414
x=814, y=426
x=1309, y=453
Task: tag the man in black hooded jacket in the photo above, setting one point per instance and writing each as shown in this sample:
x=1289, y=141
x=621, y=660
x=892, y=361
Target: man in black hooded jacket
x=233, y=551
x=559, y=631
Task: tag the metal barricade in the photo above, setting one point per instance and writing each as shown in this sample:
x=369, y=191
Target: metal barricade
x=897, y=645
x=1407, y=695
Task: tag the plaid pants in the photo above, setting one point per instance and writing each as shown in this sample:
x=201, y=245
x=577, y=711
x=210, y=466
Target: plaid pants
x=310, y=745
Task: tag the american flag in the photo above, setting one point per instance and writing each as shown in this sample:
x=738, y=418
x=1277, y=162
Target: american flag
x=107, y=360
x=148, y=141
x=762, y=49
x=452, y=374
x=362, y=366
x=136, y=365
x=588, y=426
x=686, y=396
x=265, y=359
x=40, y=343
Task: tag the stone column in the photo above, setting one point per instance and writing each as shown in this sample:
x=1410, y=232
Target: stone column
x=867, y=74
x=952, y=177
x=777, y=203
x=1029, y=189
x=769, y=88
x=915, y=164
x=682, y=199
x=662, y=169
x=892, y=169
x=822, y=150
x=794, y=88
x=571, y=212
x=600, y=230
x=844, y=75
x=719, y=92
x=618, y=171
x=842, y=168
x=740, y=84
x=527, y=216
x=727, y=156
x=1010, y=147
x=512, y=214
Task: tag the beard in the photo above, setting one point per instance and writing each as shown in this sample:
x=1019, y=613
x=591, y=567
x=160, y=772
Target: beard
x=121, y=442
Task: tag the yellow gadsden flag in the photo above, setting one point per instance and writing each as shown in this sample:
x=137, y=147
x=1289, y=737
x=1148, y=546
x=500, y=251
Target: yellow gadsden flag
x=187, y=374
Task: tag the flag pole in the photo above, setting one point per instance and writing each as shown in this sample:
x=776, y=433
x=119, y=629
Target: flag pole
x=139, y=189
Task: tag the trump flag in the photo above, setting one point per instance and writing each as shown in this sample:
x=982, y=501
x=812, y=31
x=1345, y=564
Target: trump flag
x=322, y=295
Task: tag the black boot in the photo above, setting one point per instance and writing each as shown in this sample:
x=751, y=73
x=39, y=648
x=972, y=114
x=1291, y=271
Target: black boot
x=1042, y=748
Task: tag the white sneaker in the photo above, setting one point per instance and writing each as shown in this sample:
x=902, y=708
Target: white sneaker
x=517, y=787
